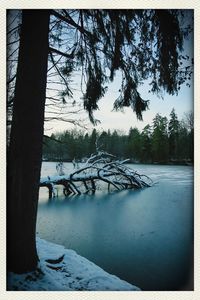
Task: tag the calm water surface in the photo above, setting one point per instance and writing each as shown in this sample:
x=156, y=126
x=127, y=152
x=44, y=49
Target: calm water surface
x=144, y=237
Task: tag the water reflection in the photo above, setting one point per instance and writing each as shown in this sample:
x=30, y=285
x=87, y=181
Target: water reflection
x=144, y=236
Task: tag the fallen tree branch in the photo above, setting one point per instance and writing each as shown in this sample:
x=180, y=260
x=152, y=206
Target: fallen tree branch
x=99, y=169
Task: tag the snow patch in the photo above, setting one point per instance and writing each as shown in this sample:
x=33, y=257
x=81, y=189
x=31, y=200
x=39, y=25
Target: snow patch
x=62, y=269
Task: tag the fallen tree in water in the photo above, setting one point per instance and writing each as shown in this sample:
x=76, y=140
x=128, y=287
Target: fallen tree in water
x=100, y=170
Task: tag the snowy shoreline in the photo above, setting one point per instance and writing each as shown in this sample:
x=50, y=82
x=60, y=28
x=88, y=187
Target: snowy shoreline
x=61, y=269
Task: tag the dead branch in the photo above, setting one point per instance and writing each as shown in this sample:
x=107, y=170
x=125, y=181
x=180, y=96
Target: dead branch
x=99, y=170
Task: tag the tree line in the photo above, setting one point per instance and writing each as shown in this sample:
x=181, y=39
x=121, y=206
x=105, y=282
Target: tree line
x=163, y=141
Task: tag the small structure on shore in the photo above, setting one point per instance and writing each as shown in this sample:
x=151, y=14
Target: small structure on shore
x=100, y=170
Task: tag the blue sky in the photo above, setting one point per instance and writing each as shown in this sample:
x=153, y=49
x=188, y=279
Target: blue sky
x=182, y=103
x=118, y=120
x=124, y=120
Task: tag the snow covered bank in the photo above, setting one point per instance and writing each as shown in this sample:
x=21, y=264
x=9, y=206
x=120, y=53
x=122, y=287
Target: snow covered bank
x=64, y=270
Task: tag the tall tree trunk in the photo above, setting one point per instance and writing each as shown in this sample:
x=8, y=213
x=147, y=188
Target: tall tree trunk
x=25, y=151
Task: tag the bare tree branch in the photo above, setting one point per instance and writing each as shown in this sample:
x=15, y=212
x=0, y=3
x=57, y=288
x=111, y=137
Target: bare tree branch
x=70, y=21
x=11, y=79
x=71, y=56
x=57, y=69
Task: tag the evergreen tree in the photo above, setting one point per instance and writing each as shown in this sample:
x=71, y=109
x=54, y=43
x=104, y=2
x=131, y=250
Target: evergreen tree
x=134, y=144
x=25, y=150
x=189, y=123
x=117, y=145
x=86, y=145
x=103, y=141
x=183, y=147
x=173, y=130
x=186, y=138
x=93, y=143
x=146, y=144
x=160, y=139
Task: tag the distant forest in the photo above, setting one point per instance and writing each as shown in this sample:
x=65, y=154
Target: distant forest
x=164, y=141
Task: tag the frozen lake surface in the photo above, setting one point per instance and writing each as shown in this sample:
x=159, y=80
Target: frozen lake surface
x=144, y=237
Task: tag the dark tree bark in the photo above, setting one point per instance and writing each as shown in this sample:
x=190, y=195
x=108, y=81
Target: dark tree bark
x=25, y=151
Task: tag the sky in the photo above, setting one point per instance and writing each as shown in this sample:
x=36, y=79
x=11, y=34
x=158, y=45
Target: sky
x=124, y=120
x=119, y=120
x=182, y=103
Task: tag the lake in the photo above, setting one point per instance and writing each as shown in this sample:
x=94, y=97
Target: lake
x=144, y=237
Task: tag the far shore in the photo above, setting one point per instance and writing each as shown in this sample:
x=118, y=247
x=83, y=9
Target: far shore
x=185, y=162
